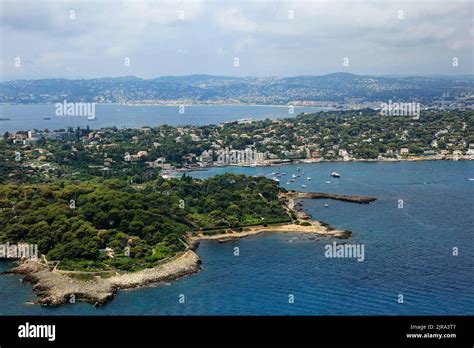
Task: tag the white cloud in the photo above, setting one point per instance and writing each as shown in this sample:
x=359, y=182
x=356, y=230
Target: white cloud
x=212, y=32
x=233, y=19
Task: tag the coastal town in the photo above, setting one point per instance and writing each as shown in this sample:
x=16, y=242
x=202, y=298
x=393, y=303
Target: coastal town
x=362, y=135
x=341, y=90
x=121, y=209
x=218, y=168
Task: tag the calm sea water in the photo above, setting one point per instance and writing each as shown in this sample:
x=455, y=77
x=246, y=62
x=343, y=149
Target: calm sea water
x=407, y=251
x=26, y=117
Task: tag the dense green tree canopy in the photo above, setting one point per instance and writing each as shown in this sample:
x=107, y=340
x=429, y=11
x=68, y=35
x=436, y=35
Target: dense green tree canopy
x=75, y=222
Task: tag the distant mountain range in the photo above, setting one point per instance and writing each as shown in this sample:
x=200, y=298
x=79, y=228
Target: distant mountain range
x=337, y=87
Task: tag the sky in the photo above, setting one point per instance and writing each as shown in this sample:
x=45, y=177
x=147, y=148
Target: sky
x=145, y=38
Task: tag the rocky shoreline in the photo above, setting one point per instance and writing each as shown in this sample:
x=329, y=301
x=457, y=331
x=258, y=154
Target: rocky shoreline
x=322, y=195
x=315, y=227
x=291, y=201
x=56, y=288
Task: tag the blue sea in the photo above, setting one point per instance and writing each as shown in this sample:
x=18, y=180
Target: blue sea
x=408, y=252
x=32, y=116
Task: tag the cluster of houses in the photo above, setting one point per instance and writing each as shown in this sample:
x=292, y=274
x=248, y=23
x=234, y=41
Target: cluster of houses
x=277, y=147
x=32, y=137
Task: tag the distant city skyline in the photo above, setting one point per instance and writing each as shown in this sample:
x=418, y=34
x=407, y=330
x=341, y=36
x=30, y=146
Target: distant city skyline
x=148, y=39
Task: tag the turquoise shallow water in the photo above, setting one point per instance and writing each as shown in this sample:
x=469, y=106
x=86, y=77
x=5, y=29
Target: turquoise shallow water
x=407, y=251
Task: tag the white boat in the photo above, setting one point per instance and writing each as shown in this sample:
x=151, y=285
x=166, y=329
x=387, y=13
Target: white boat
x=91, y=118
x=308, y=178
x=326, y=205
x=303, y=185
x=276, y=179
x=288, y=183
x=293, y=176
x=335, y=175
x=471, y=179
x=328, y=182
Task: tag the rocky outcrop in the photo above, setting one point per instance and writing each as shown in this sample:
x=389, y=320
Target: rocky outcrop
x=56, y=288
x=322, y=195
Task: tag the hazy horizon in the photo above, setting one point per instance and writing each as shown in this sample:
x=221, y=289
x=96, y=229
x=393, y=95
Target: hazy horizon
x=248, y=77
